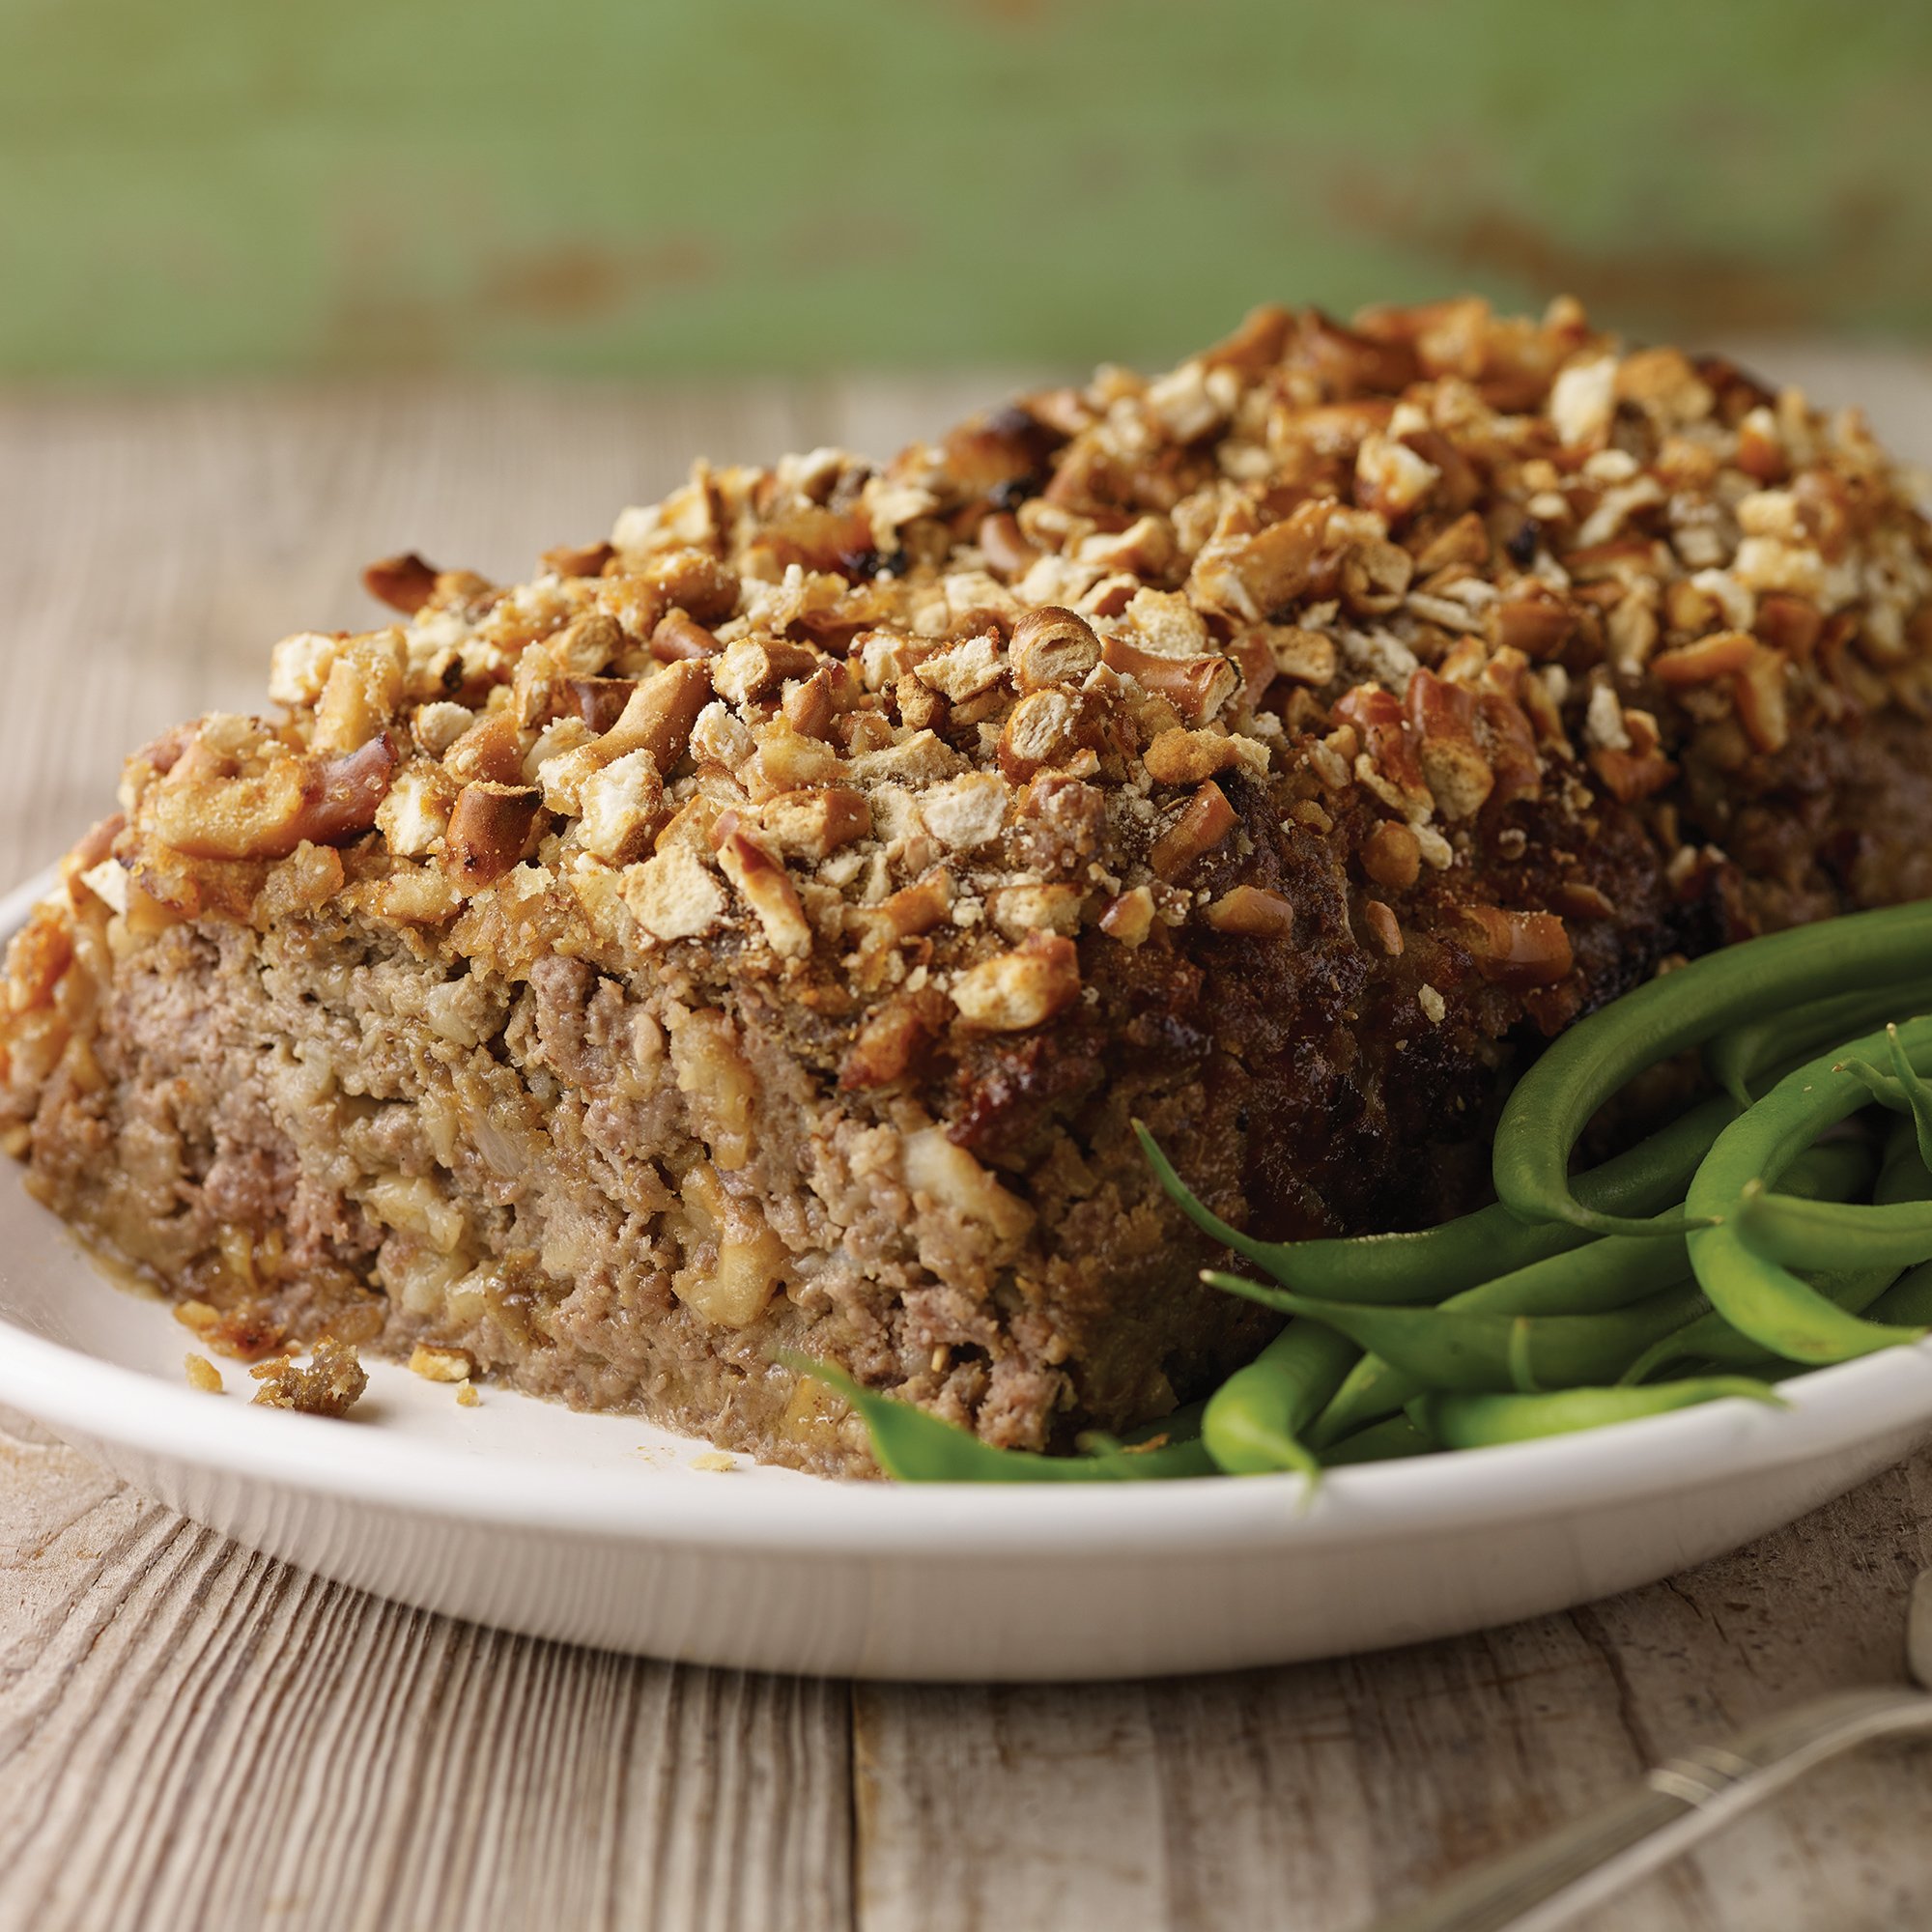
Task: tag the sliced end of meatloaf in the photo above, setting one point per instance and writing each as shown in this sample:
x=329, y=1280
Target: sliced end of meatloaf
x=763, y=927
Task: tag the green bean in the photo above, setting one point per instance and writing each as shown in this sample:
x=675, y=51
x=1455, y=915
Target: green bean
x=1908, y=1302
x=1814, y=1234
x=1758, y=1295
x=1714, y=1343
x=1838, y=1170
x=1904, y=1089
x=1711, y=1343
x=1741, y=1056
x=1585, y=1066
x=1480, y=1421
x=917, y=1446
x=1479, y=1353
x=1609, y=1273
x=1253, y=1423
x=1440, y=1261
x=1389, y=1440
x=1902, y=1171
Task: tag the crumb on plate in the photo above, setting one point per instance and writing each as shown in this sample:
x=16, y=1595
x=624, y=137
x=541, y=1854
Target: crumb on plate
x=331, y=1385
x=441, y=1365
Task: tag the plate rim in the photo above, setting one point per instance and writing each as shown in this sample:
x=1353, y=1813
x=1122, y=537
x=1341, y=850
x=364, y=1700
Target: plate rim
x=81, y=1396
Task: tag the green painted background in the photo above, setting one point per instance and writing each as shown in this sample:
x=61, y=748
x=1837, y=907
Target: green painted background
x=211, y=185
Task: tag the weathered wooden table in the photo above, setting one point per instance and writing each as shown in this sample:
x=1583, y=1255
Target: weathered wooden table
x=194, y=1737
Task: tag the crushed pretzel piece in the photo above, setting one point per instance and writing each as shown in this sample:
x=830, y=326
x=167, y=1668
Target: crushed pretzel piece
x=330, y=1386
x=438, y=1364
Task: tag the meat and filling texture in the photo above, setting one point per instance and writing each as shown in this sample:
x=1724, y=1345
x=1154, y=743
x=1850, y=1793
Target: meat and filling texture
x=761, y=930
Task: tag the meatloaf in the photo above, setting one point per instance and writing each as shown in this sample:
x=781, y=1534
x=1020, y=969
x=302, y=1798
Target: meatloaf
x=760, y=929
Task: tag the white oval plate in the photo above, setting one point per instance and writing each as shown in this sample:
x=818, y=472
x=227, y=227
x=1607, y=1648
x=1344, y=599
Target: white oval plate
x=597, y=1529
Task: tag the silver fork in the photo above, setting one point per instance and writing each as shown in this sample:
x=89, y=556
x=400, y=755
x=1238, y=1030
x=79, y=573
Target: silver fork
x=1547, y=1884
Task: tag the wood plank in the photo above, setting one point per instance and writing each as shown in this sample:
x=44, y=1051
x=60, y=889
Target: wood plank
x=1308, y=1797
x=979, y=1810
x=194, y=1736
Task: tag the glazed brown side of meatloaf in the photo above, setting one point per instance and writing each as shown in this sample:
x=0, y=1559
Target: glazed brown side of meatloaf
x=762, y=929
